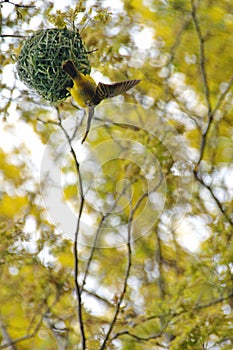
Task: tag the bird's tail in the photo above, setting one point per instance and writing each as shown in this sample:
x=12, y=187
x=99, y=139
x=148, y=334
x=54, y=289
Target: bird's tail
x=69, y=67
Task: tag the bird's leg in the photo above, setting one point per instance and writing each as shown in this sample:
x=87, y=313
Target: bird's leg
x=89, y=119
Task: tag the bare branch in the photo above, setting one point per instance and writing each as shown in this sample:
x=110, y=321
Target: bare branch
x=217, y=201
x=211, y=112
x=75, y=247
x=159, y=259
x=6, y=337
x=92, y=253
x=16, y=5
x=33, y=332
x=132, y=335
x=103, y=218
x=202, y=54
x=98, y=297
x=127, y=273
x=204, y=77
x=11, y=36
x=120, y=125
x=211, y=117
x=171, y=314
x=174, y=313
x=213, y=302
x=129, y=262
x=223, y=95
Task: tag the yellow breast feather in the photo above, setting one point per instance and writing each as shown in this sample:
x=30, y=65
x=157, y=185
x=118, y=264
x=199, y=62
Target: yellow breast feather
x=88, y=94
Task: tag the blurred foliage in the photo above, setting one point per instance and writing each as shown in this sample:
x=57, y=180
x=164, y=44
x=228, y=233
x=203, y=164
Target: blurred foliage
x=158, y=172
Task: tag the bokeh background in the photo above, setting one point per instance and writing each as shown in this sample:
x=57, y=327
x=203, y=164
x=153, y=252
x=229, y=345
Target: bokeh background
x=124, y=242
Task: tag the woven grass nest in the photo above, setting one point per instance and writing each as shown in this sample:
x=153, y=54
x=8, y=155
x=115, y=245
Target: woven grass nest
x=40, y=61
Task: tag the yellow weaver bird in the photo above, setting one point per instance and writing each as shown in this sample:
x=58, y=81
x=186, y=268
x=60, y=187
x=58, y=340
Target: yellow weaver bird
x=88, y=94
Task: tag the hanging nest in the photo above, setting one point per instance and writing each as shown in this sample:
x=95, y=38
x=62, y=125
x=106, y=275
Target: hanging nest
x=40, y=62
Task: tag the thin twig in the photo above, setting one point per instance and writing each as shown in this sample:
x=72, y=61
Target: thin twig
x=103, y=218
x=91, y=253
x=171, y=95
x=127, y=273
x=202, y=54
x=33, y=332
x=217, y=201
x=120, y=125
x=211, y=118
x=16, y=5
x=91, y=51
x=137, y=337
x=211, y=113
x=170, y=314
x=173, y=313
x=196, y=172
x=129, y=262
x=223, y=95
x=203, y=306
x=24, y=337
x=75, y=247
x=5, y=336
x=159, y=259
x=204, y=78
x=11, y=36
x=98, y=297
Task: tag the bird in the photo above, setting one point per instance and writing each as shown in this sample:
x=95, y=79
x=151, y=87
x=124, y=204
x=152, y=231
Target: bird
x=88, y=94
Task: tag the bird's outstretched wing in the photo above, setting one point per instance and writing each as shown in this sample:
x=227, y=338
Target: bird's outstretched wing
x=105, y=91
x=110, y=90
x=90, y=111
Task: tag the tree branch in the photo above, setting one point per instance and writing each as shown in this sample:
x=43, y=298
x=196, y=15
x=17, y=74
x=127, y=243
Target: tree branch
x=129, y=262
x=33, y=332
x=170, y=314
x=218, y=203
x=107, y=302
x=6, y=337
x=202, y=54
x=196, y=307
x=16, y=5
x=103, y=218
x=137, y=337
x=211, y=112
x=127, y=273
x=204, y=78
x=159, y=259
x=75, y=247
x=11, y=36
